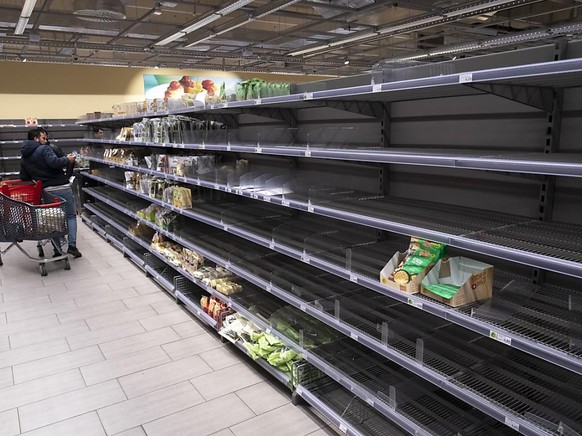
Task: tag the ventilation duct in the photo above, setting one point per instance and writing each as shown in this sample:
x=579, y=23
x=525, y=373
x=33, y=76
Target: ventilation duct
x=101, y=11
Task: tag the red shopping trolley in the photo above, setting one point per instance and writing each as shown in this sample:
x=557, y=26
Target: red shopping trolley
x=27, y=213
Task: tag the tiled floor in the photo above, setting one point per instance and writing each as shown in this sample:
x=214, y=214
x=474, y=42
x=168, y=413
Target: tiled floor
x=100, y=350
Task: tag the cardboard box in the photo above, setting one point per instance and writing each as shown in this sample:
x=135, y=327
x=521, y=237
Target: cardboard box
x=410, y=288
x=474, y=279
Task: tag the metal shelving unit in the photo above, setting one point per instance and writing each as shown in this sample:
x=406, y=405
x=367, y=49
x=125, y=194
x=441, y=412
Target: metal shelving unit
x=548, y=342
x=548, y=245
x=444, y=347
x=12, y=133
x=439, y=361
x=241, y=304
x=527, y=163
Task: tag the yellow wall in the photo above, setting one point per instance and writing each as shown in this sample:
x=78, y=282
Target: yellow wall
x=56, y=91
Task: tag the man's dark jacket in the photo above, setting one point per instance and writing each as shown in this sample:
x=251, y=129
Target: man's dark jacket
x=39, y=162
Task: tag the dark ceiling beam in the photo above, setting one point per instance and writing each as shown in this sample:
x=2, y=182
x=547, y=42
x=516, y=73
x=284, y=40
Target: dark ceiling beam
x=19, y=41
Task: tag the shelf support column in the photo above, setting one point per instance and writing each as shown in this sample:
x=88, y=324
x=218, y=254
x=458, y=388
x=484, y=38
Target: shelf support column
x=385, y=142
x=552, y=145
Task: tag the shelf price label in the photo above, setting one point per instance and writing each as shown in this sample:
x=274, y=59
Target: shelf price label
x=285, y=203
x=465, y=77
x=272, y=244
x=299, y=390
x=307, y=152
x=377, y=88
x=343, y=427
x=370, y=401
x=414, y=302
x=310, y=208
x=258, y=101
x=216, y=186
x=511, y=423
x=228, y=147
x=258, y=149
x=266, y=198
x=202, y=146
x=308, y=96
x=354, y=336
x=500, y=337
x=305, y=257
x=303, y=307
x=353, y=278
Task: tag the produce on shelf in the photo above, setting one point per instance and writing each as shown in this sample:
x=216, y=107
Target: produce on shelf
x=191, y=261
x=169, y=249
x=226, y=286
x=258, y=343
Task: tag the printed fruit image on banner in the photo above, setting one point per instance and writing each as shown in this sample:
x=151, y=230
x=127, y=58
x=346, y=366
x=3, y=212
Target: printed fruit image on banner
x=202, y=88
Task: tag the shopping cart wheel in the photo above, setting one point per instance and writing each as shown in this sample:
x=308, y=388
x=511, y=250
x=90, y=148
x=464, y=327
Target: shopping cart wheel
x=67, y=265
x=40, y=251
x=42, y=267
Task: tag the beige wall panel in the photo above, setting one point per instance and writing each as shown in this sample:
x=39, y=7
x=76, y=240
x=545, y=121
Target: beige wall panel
x=68, y=91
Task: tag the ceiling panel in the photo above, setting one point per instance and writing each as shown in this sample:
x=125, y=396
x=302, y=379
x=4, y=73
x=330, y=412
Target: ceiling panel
x=340, y=37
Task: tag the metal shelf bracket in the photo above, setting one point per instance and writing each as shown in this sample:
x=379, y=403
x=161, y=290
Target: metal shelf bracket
x=534, y=96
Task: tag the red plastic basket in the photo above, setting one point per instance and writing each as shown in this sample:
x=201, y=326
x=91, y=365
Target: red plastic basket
x=28, y=192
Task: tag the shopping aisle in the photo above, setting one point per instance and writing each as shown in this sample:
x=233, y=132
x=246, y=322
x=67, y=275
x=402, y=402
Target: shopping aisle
x=101, y=350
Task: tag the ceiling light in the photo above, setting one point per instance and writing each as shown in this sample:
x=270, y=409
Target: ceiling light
x=233, y=7
x=205, y=21
x=171, y=38
x=201, y=23
x=347, y=62
x=20, y=26
x=275, y=8
x=28, y=8
x=24, y=59
x=408, y=25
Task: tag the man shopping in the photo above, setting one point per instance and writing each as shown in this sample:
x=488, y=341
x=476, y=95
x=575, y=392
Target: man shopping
x=39, y=162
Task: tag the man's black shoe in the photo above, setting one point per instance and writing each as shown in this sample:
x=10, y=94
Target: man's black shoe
x=74, y=252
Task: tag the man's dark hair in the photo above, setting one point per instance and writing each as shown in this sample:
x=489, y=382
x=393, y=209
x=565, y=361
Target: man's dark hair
x=34, y=133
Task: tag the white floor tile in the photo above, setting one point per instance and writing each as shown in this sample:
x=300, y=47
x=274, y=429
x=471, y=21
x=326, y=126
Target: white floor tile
x=165, y=320
x=126, y=316
x=263, y=397
x=85, y=425
x=95, y=337
x=33, y=352
x=137, y=431
x=163, y=375
x=40, y=389
x=71, y=404
x=6, y=378
x=148, y=407
x=38, y=311
x=18, y=340
x=124, y=365
x=9, y=425
x=203, y=418
x=194, y=345
x=27, y=325
x=288, y=420
x=189, y=329
x=141, y=341
x=92, y=311
x=227, y=380
x=55, y=364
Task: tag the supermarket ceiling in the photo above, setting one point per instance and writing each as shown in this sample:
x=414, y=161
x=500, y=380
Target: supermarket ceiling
x=337, y=37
